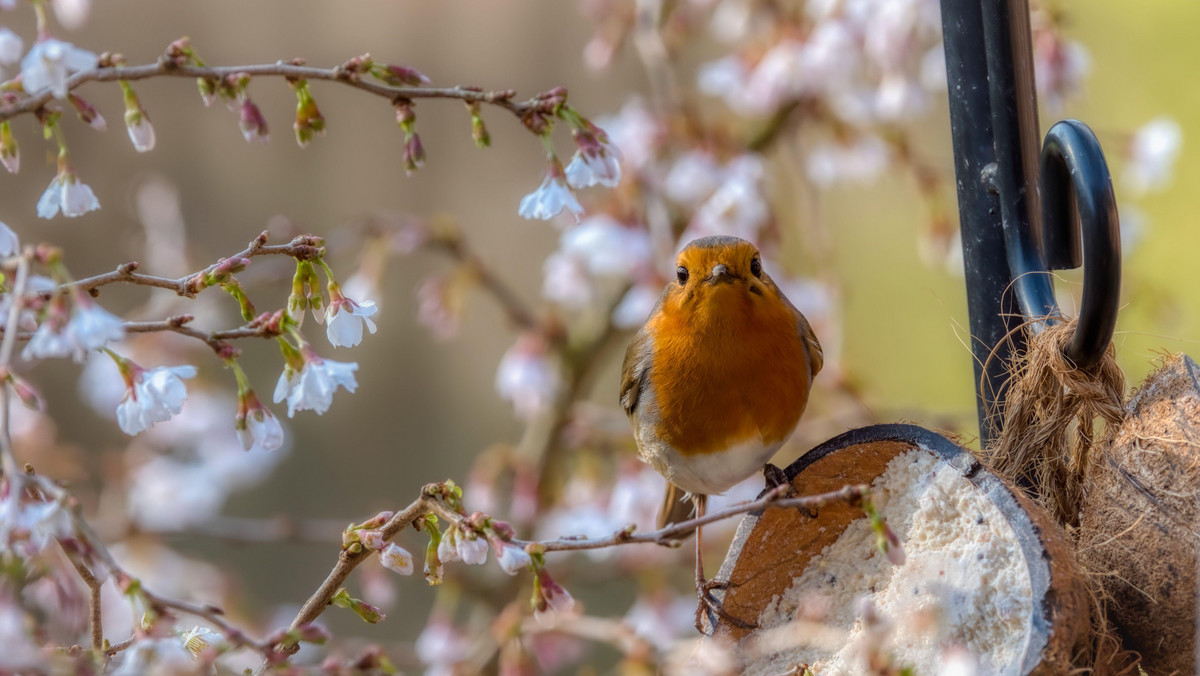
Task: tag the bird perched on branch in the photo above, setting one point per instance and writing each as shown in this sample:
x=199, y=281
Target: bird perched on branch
x=716, y=380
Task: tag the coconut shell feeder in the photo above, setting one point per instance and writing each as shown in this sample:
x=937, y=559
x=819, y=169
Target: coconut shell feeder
x=773, y=549
x=1091, y=583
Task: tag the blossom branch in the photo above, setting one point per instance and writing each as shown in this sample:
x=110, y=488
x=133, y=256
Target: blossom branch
x=432, y=501
x=302, y=247
x=345, y=74
x=214, y=339
x=90, y=546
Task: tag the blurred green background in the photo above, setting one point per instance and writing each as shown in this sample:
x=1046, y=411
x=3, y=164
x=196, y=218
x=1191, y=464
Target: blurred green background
x=425, y=408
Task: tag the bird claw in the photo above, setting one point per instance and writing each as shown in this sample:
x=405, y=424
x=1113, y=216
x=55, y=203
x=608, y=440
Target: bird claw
x=774, y=476
x=706, y=603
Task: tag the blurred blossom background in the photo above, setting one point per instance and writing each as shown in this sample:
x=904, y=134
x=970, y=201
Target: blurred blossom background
x=819, y=130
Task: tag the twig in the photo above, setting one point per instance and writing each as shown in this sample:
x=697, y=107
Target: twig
x=93, y=548
x=348, y=560
x=178, y=324
x=431, y=502
x=510, y=302
x=117, y=647
x=94, y=586
x=8, y=459
x=166, y=67
x=302, y=247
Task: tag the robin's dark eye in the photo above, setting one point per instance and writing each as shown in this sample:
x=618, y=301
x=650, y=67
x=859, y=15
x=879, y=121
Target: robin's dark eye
x=681, y=274
x=756, y=268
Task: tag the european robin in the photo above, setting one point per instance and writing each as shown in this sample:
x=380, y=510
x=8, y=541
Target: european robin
x=716, y=380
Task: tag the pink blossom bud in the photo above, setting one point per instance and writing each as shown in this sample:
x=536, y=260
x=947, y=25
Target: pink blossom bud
x=414, y=154
x=371, y=539
x=251, y=122
x=364, y=610
x=87, y=113
x=312, y=633
x=25, y=392
x=399, y=76
x=405, y=116
x=549, y=597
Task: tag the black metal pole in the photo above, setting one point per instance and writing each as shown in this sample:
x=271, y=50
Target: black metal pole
x=978, y=71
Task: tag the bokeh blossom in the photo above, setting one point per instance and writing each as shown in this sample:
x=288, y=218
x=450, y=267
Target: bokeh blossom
x=50, y=62
x=528, y=375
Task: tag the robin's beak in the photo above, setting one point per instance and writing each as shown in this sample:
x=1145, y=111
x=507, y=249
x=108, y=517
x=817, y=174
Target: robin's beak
x=720, y=275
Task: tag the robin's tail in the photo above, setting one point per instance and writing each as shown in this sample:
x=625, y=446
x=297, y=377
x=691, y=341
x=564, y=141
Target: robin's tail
x=677, y=507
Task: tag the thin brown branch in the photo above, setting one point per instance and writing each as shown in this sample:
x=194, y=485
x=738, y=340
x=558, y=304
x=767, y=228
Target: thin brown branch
x=510, y=302
x=166, y=67
x=115, y=648
x=349, y=559
x=431, y=502
x=8, y=459
x=179, y=324
x=94, y=584
x=303, y=247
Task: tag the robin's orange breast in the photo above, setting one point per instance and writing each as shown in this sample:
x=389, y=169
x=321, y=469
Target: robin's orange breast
x=727, y=374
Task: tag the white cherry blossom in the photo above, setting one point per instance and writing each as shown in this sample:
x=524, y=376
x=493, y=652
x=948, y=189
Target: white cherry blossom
x=68, y=194
x=551, y=197
x=312, y=387
x=257, y=427
x=512, y=559
x=397, y=559
x=153, y=396
x=345, y=318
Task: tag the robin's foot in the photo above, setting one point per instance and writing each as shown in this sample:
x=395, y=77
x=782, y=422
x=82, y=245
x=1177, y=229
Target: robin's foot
x=707, y=604
x=774, y=476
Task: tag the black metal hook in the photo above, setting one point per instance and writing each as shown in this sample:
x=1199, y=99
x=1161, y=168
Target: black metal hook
x=1007, y=192
x=1079, y=227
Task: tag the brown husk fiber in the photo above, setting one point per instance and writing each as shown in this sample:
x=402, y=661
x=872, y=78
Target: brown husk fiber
x=1050, y=415
x=1056, y=416
x=1139, y=532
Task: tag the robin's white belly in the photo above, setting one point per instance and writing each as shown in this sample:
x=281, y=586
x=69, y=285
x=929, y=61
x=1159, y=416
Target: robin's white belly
x=703, y=474
x=708, y=473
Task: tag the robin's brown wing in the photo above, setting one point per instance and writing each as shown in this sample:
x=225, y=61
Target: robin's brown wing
x=812, y=347
x=636, y=371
